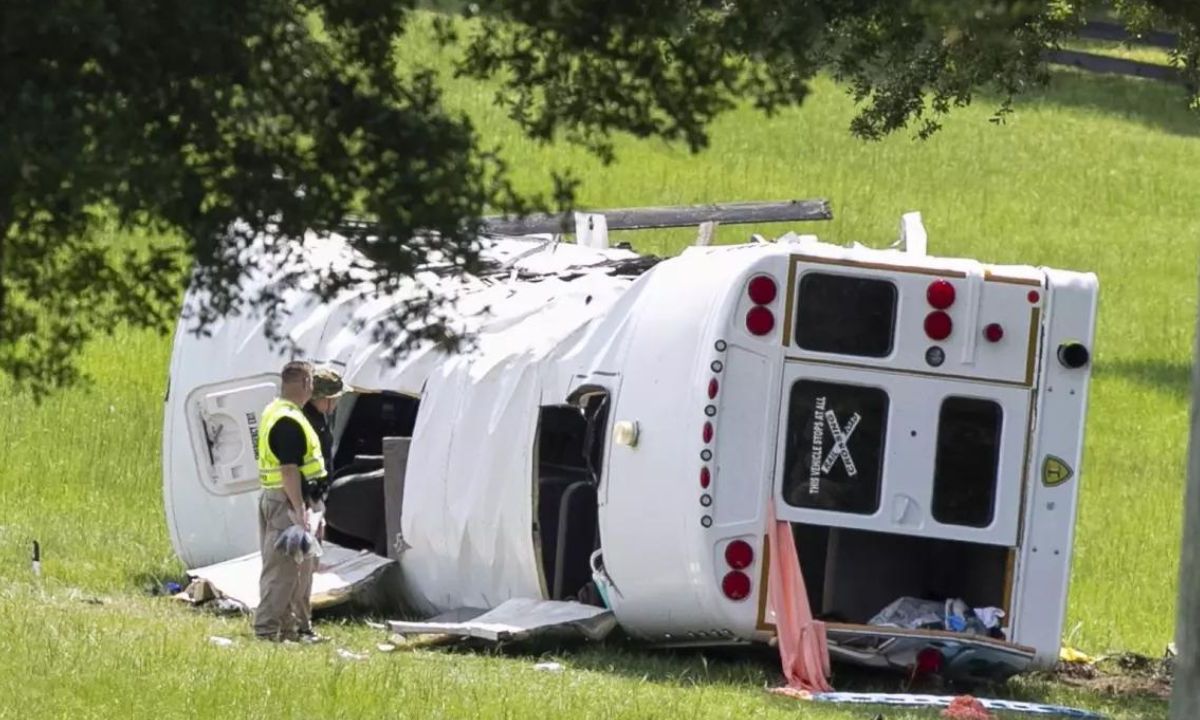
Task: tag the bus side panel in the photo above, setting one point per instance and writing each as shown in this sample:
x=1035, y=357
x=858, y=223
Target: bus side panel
x=1054, y=468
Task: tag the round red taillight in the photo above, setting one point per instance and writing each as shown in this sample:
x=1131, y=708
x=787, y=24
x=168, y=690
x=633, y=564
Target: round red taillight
x=760, y=321
x=762, y=290
x=938, y=325
x=705, y=477
x=1034, y=296
x=940, y=294
x=708, y=432
x=739, y=554
x=993, y=332
x=736, y=585
x=712, y=389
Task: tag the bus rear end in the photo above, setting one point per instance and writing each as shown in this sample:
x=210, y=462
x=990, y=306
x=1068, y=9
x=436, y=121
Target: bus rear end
x=931, y=419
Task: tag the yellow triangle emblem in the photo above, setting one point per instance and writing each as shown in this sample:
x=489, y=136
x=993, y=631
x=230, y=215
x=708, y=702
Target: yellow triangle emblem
x=1055, y=471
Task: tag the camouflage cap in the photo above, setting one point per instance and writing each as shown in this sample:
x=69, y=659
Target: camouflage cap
x=327, y=384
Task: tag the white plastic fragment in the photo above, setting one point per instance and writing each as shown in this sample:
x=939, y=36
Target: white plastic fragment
x=220, y=641
x=347, y=655
x=548, y=667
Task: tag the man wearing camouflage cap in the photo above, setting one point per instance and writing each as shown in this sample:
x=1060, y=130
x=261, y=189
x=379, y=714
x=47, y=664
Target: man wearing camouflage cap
x=327, y=389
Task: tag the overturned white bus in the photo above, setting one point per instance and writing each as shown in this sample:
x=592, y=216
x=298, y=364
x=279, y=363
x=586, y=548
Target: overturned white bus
x=623, y=423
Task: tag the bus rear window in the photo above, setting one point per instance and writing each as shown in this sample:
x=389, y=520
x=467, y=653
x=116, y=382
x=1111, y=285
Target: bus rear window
x=967, y=462
x=835, y=441
x=845, y=314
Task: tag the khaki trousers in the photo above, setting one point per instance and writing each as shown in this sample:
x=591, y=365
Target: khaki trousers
x=285, y=586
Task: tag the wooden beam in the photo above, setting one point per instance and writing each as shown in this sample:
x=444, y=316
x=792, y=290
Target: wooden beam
x=645, y=218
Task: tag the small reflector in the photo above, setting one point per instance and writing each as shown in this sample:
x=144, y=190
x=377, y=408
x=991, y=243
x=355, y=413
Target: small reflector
x=993, y=332
x=1034, y=296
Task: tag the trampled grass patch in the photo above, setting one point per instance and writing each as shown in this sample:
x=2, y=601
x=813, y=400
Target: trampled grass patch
x=1093, y=174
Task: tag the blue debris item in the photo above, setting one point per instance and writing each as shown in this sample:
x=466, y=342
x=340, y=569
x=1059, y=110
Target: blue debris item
x=172, y=587
x=932, y=701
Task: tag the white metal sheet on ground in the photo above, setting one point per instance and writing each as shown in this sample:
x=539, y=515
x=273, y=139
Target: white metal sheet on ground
x=523, y=618
x=339, y=573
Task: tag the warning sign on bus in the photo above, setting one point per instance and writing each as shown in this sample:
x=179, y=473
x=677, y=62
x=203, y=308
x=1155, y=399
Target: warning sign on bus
x=835, y=440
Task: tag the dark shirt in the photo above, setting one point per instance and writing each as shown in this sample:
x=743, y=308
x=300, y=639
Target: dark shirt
x=324, y=433
x=287, y=441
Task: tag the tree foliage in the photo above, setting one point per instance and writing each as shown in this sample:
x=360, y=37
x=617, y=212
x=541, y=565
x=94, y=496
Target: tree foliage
x=175, y=119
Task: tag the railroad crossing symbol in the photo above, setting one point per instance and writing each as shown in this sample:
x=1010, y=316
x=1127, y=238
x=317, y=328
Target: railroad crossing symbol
x=840, y=440
x=1055, y=471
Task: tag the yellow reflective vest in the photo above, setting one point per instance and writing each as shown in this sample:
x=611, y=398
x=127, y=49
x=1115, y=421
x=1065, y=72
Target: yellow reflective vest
x=270, y=472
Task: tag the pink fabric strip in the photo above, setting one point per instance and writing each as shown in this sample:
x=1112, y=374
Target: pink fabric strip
x=802, y=645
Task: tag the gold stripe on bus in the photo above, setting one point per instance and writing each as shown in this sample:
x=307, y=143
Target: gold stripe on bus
x=878, y=266
x=915, y=373
x=1035, y=317
x=760, y=622
x=990, y=276
x=1010, y=565
x=789, y=302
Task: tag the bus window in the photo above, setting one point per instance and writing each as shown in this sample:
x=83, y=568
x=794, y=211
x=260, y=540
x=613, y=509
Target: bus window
x=967, y=462
x=845, y=314
x=835, y=440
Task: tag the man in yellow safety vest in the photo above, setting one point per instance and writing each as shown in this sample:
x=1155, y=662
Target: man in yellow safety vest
x=289, y=455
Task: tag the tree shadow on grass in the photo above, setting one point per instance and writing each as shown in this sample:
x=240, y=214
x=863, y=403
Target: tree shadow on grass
x=1155, y=104
x=1170, y=377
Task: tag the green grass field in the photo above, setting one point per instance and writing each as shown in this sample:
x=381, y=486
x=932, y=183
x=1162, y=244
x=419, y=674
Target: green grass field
x=1095, y=174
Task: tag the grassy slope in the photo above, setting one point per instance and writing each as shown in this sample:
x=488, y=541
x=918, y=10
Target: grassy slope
x=1097, y=174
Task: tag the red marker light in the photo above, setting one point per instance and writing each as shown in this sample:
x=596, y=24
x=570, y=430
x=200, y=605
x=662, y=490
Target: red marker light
x=712, y=389
x=940, y=294
x=736, y=585
x=708, y=432
x=760, y=321
x=993, y=332
x=1034, y=296
x=938, y=325
x=762, y=290
x=739, y=554
x=705, y=477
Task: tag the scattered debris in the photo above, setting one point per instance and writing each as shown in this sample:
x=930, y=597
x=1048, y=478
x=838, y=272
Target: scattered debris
x=548, y=667
x=791, y=692
x=909, y=700
x=347, y=655
x=385, y=647
x=376, y=625
x=965, y=707
x=220, y=641
x=519, y=619
x=1072, y=656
